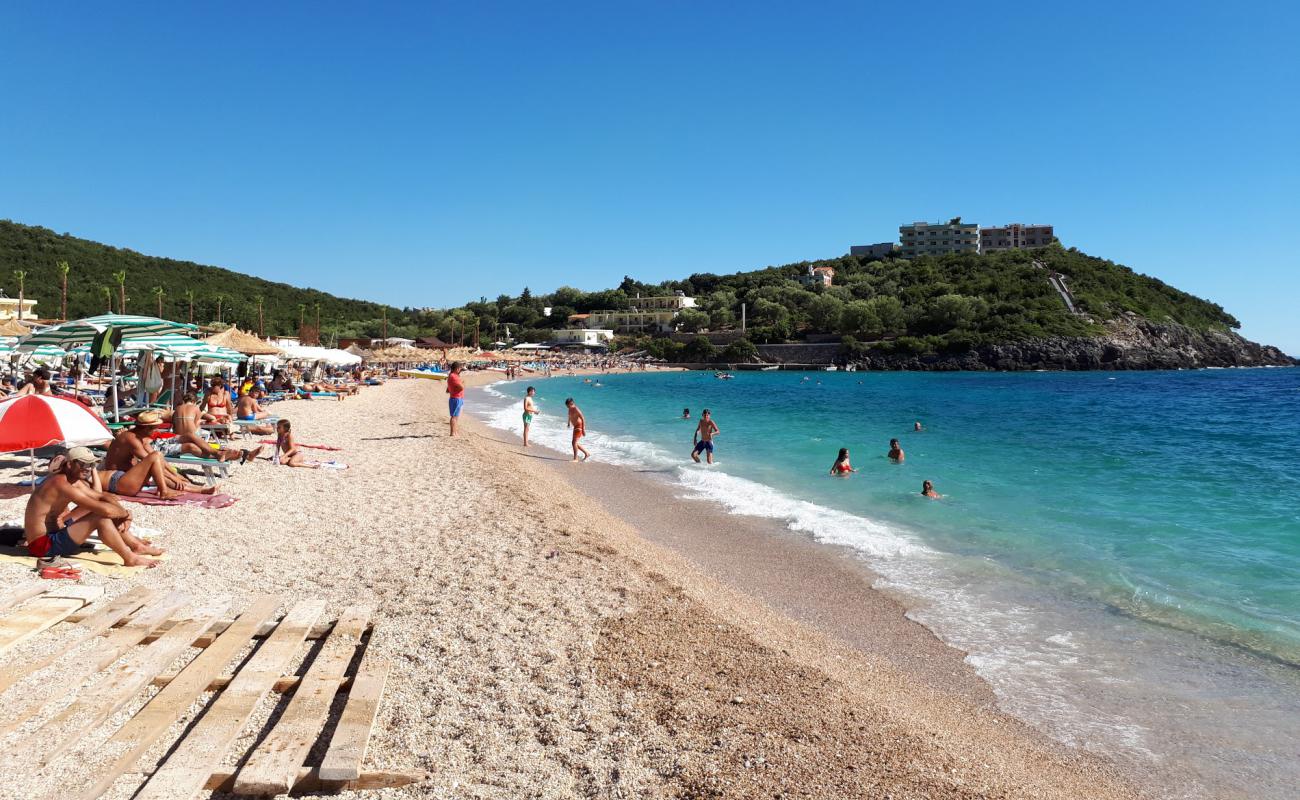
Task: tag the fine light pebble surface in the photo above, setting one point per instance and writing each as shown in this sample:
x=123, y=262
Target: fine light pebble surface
x=542, y=648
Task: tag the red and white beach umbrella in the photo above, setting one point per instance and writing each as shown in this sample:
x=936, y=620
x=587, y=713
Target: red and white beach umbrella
x=36, y=420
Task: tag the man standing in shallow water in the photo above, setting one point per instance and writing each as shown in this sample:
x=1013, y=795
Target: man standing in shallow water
x=703, y=438
x=579, y=424
x=530, y=410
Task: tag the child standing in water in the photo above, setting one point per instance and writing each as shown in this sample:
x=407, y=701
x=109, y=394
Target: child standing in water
x=703, y=438
x=842, y=465
x=579, y=425
x=530, y=410
x=286, y=448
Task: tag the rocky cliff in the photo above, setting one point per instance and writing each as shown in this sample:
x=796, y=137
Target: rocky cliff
x=1129, y=343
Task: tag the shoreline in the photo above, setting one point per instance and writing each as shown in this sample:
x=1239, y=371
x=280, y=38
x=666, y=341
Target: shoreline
x=758, y=564
x=543, y=647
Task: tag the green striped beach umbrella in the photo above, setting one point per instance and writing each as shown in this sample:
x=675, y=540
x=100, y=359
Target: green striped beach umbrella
x=173, y=345
x=81, y=331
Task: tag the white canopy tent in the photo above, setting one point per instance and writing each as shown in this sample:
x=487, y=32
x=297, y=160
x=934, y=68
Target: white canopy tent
x=330, y=355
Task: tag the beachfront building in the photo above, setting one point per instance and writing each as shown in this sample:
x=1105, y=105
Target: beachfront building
x=587, y=337
x=646, y=315
x=939, y=238
x=824, y=276
x=874, y=251
x=1015, y=236
x=9, y=308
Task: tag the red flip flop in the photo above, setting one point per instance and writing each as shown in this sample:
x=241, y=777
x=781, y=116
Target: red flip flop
x=61, y=573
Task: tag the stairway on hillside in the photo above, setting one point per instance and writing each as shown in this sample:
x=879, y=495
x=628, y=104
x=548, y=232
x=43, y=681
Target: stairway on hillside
x=1058, y=283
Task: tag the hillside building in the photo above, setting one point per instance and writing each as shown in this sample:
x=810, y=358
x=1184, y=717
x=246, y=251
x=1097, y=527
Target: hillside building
x=824, y=276
x=1015, y=236
x=938, y=238
x=585, y=337
x=646, y=315
x=874, y=251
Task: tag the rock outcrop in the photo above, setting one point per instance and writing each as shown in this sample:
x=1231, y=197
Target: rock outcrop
x=1130, y=343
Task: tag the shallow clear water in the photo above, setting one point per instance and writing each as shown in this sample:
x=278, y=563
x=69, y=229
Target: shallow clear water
x=1107, y=545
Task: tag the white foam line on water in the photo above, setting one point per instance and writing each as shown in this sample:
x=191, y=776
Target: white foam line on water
x=1031, y=660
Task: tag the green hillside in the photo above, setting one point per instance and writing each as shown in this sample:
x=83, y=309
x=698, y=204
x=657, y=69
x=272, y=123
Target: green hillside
x=930, y=304
x=93, y=266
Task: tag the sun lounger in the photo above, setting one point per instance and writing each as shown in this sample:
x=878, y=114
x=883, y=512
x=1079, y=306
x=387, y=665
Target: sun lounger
x=245, y=424
x=212, y=468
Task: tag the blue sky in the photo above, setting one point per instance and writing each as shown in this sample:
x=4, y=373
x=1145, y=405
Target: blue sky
x=430, y=153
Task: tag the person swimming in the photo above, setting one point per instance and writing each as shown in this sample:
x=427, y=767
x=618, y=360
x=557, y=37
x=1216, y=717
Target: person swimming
x=686, y=413
x=916, y=426
x=842, y=465
x=927, y=490
x=895, y=452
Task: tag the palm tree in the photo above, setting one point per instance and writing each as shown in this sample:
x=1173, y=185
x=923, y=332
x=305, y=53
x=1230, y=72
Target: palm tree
x=108, y=297
x=120, y=277
x=21, y=275
x=189, y=295
x=259, y=316
x=158, y=292
x=318, y=320
x=64, y=269
x=220, y=297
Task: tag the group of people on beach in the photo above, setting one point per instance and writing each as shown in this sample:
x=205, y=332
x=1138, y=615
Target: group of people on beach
x=82, y=492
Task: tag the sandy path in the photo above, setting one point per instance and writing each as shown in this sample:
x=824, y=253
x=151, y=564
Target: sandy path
x=542, y=649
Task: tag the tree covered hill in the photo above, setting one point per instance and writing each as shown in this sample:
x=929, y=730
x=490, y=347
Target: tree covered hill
x=94, y=269
x=943, y=304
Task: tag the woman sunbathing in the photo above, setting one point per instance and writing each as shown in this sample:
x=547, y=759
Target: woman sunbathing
x=190, y=439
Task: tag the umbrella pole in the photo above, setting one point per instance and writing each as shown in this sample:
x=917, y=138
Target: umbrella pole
x=32, y=466
x=112, y=364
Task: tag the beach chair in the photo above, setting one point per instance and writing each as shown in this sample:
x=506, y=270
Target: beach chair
x=245, y=424
x=212, y=468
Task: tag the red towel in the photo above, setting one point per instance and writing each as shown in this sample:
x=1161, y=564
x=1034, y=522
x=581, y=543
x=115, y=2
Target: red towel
x=190, y=499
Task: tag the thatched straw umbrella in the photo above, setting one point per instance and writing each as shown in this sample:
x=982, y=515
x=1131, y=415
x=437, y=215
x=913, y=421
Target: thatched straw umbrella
x=12, y=327
x=245, y=343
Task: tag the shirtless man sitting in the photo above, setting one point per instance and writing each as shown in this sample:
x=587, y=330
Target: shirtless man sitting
x=248, y=409
x=187, y=425
x=49, y=538
x=132, y=462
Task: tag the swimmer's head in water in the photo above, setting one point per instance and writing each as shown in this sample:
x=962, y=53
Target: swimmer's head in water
x=844, y=454
x=927, y=487
x=893, y=443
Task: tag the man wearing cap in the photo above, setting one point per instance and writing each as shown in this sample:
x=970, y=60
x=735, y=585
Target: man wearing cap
x=131, y=463
x=69, y=484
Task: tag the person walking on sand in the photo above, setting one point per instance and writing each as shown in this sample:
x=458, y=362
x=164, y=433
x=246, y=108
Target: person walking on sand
x=579, y=425
x=895, y=452
x=702, y=439
x=842, y=465
x=456, y=394
x=530, y=410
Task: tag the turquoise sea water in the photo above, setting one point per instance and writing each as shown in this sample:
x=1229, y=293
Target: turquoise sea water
x=1117, y=513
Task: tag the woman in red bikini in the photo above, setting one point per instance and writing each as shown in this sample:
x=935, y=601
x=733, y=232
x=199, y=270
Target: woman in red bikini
x=217, y=401
x=842, y=465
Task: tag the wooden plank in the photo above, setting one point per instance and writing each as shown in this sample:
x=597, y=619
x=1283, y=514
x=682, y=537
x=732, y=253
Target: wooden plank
x=23, y=591
x=88, y=627
x=347, y=748
x=117, y=688
x=98, y=656
x=273, y=765
x=48, y=609
x=153, y=721
x=284, y=685
x=198, y=754
x=309, y=781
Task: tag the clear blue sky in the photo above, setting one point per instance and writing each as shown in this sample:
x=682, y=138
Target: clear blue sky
x=430, y=153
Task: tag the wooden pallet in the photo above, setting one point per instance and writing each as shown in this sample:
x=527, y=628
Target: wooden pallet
x=117, y=650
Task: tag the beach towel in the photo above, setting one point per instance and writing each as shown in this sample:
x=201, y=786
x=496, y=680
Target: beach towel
x=329, y=464
x=189, y=499
x=101, y=561
x=308, y=446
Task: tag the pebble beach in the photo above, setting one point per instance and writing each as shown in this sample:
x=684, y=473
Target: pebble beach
x=545, y=648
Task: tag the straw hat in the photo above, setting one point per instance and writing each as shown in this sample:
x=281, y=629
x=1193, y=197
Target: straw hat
x=151, y=418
